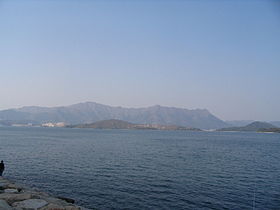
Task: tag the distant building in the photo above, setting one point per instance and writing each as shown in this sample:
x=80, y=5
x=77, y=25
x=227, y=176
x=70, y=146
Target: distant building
x=22, y=125
x=48, y=125
x=58, y=124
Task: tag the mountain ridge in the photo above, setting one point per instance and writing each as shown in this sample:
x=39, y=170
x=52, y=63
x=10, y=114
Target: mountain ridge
x=89, y=112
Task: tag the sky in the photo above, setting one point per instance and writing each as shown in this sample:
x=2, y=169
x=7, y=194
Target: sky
x=220, y=55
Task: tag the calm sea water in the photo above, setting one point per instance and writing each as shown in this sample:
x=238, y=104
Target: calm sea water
x=126, y=169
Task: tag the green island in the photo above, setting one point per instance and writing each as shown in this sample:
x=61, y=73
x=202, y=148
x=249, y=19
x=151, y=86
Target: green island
x=254, y=127
x=120, y=124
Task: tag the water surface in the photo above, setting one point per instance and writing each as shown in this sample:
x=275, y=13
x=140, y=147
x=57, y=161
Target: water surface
x=130, y=169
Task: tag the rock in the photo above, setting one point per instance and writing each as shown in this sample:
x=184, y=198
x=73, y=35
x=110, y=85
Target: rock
x=17, y=197
x=55, y=201
x=72, y=208
x=52, y=206
x=9, y=190
x=12, y=197
x=3, y=185
x=68, y=200
x=13, y=186
x=83, y=208
x=4, y=205
x=3, y=180
x=42, y=193
x=30, y=204
x=34, y=196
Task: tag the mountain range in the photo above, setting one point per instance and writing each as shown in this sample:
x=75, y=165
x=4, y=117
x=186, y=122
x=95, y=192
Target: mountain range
x=90, y=112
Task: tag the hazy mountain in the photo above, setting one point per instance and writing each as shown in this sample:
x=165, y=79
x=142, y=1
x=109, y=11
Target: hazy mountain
x=255, y=126
x=239, y=123
x=92, y=112
x=276, y=123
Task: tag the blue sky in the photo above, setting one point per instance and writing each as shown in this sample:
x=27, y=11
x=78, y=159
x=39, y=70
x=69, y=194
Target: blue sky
x=219, y=55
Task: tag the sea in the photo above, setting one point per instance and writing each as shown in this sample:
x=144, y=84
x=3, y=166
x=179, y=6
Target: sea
x=146, y=169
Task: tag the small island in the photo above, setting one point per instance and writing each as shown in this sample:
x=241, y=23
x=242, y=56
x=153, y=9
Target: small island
x=254, y=127
x=270, y=130
x=120, y=124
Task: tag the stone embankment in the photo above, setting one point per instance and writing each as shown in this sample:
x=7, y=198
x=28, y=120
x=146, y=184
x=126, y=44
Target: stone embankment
x=16, y=197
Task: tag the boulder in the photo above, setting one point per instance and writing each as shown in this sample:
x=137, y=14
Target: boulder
x=16, y=197
x=3, y=185
x=13, y=186
x=83, y=208
x=55, y=201
x=72, y=208
x=9, y=190
x=30, y=204
x=5, y=206
x=52, y=206
x=68, y=200
x=13, y=197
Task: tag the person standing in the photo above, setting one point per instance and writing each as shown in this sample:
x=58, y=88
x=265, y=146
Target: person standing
x=2, y=167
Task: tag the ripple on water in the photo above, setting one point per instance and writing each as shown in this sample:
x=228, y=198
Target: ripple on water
x=112, y=169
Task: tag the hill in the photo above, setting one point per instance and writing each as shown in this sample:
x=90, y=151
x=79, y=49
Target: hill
x=90, y=112
x=120, y=124
x=273, y=130
x=239, y=123
x=106, y=124
x=276, y=123
x=254, y=126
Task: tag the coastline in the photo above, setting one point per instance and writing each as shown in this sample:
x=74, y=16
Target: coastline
x=17, y=197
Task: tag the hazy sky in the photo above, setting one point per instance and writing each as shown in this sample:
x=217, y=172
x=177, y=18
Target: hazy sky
x=219, y=55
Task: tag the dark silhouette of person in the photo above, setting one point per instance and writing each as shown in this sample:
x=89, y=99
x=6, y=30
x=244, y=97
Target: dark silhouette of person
x=2, y=167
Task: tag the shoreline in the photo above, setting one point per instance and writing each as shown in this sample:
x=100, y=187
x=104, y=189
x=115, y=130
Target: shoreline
x=14, y=196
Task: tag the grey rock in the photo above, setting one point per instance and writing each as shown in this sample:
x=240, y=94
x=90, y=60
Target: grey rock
x=10, y=190
x=72, y=208
x=68, y=200
x=55, y=201
x=4, y=205
x=52, y=206
x=13, y=186
x=83, y=208
x=3, y=185
x=13, y=197
x=30, y=204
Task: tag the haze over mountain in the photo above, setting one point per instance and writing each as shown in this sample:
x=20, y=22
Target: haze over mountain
x=90, y=112
x=239, y=123
x=276, y=123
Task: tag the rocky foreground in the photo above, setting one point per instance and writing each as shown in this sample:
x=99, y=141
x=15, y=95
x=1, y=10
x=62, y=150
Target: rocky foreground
x=16, y=197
